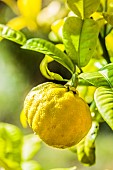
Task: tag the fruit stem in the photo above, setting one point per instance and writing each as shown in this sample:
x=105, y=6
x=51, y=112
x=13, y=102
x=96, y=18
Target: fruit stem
x=72, y=83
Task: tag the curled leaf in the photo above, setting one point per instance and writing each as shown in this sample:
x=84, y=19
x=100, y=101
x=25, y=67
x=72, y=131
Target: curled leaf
x=86, y=148
x=46, y=72
x=46, y=47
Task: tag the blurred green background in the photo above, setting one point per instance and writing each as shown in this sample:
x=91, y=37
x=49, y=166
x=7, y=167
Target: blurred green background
x=19, y=72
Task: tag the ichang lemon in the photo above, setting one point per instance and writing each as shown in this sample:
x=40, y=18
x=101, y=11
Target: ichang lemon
x=59, y=116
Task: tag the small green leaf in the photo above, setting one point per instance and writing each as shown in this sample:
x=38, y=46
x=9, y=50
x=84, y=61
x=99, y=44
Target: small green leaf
x=80, y=39
x=104, y=101
x=10, y=146
x=83, y=8
x=86, y=148
x=11, y=138
x=46, y=47
x=12, y=35
x=31, y=145
x=30, y=165
x=108, y=17
x=103, y=77
x=45, y=71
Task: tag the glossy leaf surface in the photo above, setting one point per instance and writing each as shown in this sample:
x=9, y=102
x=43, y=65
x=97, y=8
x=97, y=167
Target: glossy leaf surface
x=107, y=73
x=12, y=35
x=83, y=8
x=103, y=77
x=94, y=78
x=104, y=100
x=46, y=47
x=80, y=39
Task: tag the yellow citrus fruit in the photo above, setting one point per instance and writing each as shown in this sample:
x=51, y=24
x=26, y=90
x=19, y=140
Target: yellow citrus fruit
x=29, y=8
x=59, y=116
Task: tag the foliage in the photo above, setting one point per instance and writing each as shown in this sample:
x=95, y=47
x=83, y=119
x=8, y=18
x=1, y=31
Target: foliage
x=85, y=35
x=11, y=158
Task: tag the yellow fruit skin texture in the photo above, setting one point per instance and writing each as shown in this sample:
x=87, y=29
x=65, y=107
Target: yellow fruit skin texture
x=60, y=117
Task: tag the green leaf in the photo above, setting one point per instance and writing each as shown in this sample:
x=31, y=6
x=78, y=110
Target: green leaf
x=94, y=78
x=10, y=146
x=104, y=101
x=107, y=72
x=31, y=145
x=86, y=148
x=46, y=47
x=9, y=164
x=80, y=39
x=12, y=35
x=45, y=71
x=103, y=77
x=73, y=168
x=83, y=8
x=31, y=165
x=108, y=17
x=10, y=142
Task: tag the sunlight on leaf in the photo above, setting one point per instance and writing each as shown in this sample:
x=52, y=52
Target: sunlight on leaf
x=83, y=8
x=9, y=164
x=86, y=148
x=31, y=165
x=107, y=72
x=104, y=101
x=80, y=39
x=45, y=71
x=94, y=78
x=31, y=145
x=10, y=146
x=12, y=35
x=103, y=77
x=46, y=47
